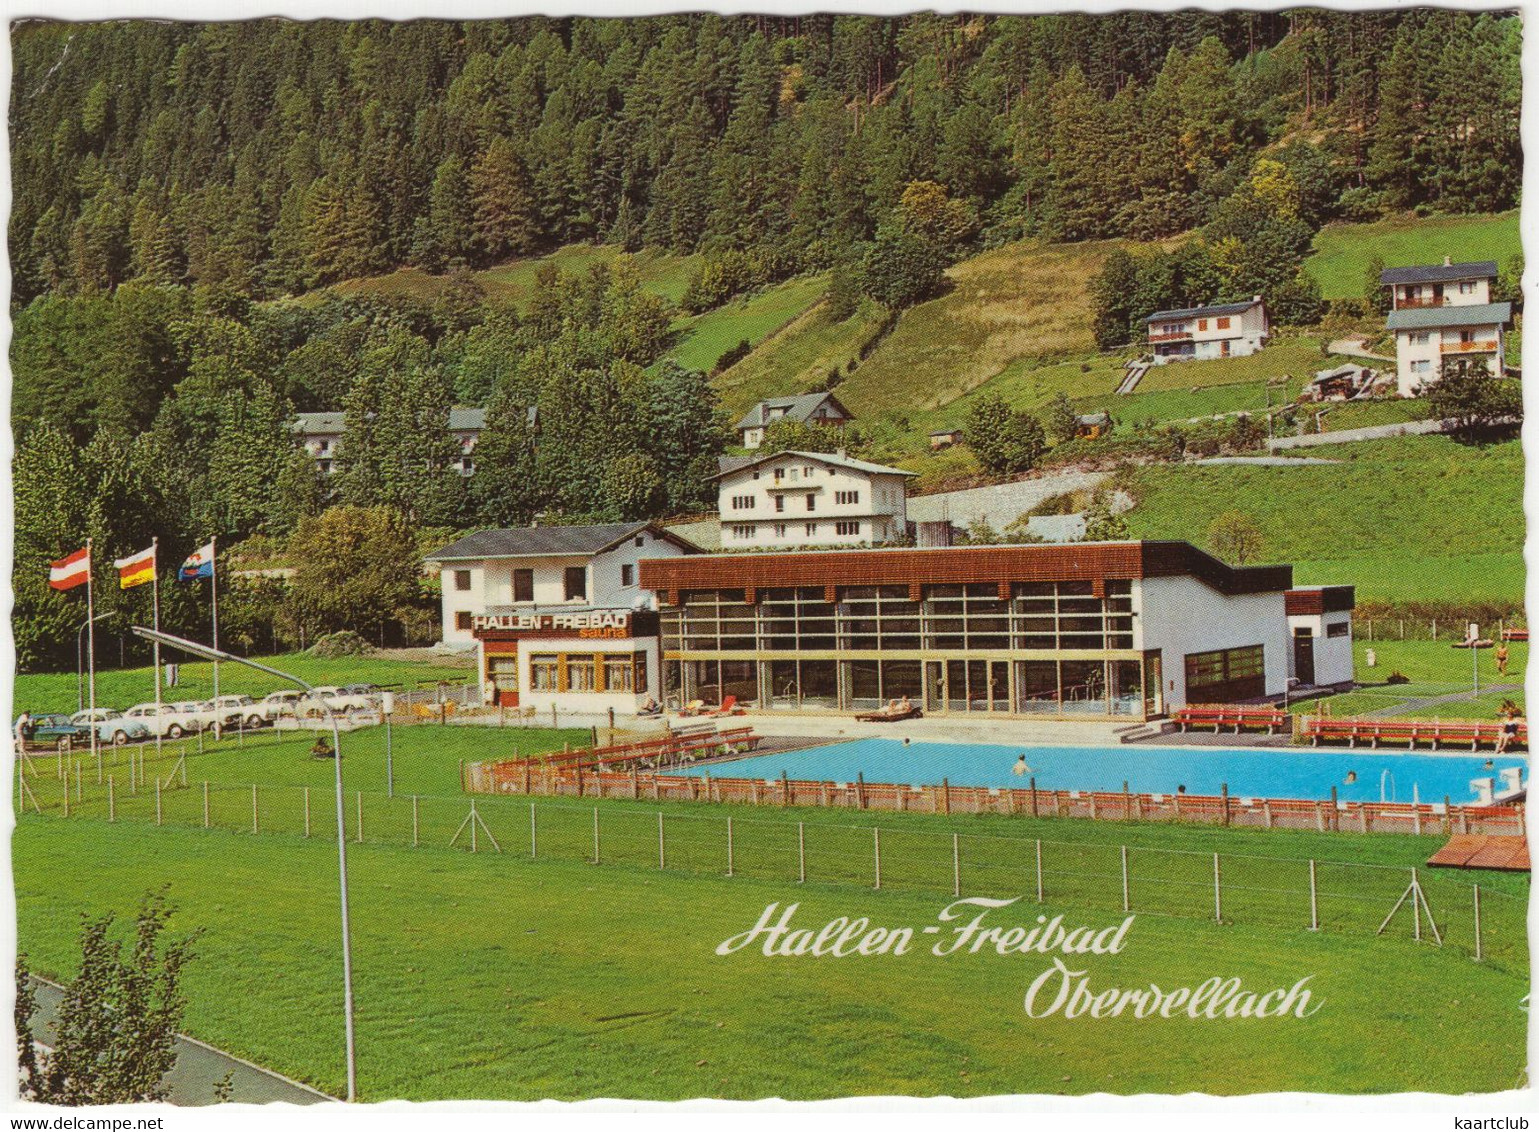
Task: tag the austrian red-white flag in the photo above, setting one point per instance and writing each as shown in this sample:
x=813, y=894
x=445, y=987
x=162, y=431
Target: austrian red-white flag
x=71, y=571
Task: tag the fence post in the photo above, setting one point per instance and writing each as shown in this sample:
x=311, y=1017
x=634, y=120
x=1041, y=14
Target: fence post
x=1033, y=795
x=876, y=843
x=1314, y=899
x=860, y=789
x=1125, y=893
x=1479, y=955
x=112, y=809
x=534, y=844
x=729, y=845
x=595, y=835
x=1127, y=802
x=1218, y=900
x=205, y=803
x=801, y=852
x=413, y=821
x=255, y=823
x=307, y=811
x=946, y=794
x=956, y=864
x=1223, y=789
x=662, y=844
x=157, y=797
x=785, y=789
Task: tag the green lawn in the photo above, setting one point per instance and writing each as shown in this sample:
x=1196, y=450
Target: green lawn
x=1434, y=668
x=494, y=977
x=122, y=688
x=704, y=338
x=798, y=355
x=1410, y=519
x=1342, y=251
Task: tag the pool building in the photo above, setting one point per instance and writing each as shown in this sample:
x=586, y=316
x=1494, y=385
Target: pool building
x=1114, y=630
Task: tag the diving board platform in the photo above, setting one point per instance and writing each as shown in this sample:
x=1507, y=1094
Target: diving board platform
x=1477, y=851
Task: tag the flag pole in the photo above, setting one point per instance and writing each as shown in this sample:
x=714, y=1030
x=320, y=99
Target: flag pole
x=213, y=581
x=91, y=645
x=155, y=584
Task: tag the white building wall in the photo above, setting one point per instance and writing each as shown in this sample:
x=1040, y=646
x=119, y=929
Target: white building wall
x=1181, y=615
x=1419, y=354
x=598, y=702
x=1461, y=293
x=880, y=508
x=1333, y=655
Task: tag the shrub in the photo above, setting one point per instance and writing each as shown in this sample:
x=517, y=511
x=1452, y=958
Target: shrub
x=342, y=643
x=732, y=355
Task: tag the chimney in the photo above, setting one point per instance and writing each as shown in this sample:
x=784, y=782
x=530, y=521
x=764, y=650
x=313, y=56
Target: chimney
x=1448, y=261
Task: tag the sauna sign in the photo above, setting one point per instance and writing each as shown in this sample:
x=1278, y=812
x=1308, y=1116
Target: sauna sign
x=586, y=624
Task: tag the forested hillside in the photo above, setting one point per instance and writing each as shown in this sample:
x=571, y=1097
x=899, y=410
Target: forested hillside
x=194, y=206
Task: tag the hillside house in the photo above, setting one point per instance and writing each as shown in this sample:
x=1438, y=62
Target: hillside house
x=1443, y=311
x=1093, y=426
x=806, y=408
x=797, y=499
x=320, y=434
x=946, y=438
x=1229, y=330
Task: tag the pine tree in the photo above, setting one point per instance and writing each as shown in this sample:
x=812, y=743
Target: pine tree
x=501, y=197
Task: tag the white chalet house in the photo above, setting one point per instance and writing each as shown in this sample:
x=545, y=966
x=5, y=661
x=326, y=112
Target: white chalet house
x=1441, y=312
x=557, y=615
x=320, y=434
x=1229, y=330
x=797, y=499
x=805, y=408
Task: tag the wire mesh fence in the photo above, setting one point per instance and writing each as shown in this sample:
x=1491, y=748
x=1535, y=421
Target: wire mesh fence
x=1229, y=888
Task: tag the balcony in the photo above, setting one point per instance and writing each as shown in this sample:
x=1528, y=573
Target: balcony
x=1484, y=346
x=1181, y=336
x=1405, y=304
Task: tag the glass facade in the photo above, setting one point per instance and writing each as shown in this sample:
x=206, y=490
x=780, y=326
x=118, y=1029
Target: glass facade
x=1051, y=648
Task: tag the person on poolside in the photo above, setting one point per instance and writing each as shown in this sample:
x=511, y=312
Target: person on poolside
x=1020, y=767
x=1509, y=731
x=905, y=704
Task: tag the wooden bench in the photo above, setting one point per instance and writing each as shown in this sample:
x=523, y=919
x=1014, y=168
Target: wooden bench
x=1238, y=716
x=1437, y=733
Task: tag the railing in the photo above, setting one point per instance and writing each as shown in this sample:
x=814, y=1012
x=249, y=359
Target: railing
x=1405, y=304
x=1223, y=809
x=1486, y=347
x=1184, y=336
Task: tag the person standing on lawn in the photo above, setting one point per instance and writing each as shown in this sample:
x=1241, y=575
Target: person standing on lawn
x=1501, y=658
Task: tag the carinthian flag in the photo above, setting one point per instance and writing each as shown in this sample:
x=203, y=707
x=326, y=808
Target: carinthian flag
x=136, y=569
x=199, y=564
x=71, y=571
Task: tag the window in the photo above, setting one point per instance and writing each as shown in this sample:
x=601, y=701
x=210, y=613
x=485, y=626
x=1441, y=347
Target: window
x=812, y=529
x=542, y=673
x=627, y=574
x=780, y=530
x=847, y=497
x=1223, y=324
x=1202, y=324
x=462, y=621
x=1419, y=338
x=462, y=579
x=742, y=503
x=1421, y=365
x=744, y=530
x=1339, y=629
x=812, y=501
x=523, y=585
x=581, y=672
x=1225, y=675
x=780, y=474
x=849, y=528
x=641, y=540
x=576, y=583
x=1467, y=287
x=807, y=473
x=619, y=674
x=780, y=503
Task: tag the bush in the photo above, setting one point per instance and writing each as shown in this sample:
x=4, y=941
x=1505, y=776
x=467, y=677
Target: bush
x=732, y=355
x=342, y=643
x=901, y=270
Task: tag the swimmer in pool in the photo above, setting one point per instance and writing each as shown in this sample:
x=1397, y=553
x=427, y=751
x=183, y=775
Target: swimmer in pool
x=1351, y=777
x=1181, y=789
x=905, y=740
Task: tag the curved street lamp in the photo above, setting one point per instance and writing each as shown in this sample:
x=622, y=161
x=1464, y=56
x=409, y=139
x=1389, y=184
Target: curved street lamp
x=208, y=653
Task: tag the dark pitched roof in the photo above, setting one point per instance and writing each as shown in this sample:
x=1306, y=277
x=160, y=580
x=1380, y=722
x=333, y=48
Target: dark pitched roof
x=312, y=424
x=797, y=408
x=1204, y=312
x=529, y=542
x=1434, y=318
x=1439, y=273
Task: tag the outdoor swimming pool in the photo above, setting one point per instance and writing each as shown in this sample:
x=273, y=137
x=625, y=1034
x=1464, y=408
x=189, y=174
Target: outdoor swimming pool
x=1254, y=773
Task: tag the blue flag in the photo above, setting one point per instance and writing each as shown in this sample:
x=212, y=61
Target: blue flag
x=199, y=564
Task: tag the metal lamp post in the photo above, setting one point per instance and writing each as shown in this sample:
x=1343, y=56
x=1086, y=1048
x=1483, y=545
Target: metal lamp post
x=208, y=653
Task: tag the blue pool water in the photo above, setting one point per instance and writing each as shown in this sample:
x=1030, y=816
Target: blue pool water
x=1255, y=773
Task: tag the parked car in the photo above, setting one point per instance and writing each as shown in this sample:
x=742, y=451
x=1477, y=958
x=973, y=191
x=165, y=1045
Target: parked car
x=197, y=713
x=344, y=702
x=172, y=724
x=113, y=726
x=236, y=711
x=276, y=705
x=55, y=730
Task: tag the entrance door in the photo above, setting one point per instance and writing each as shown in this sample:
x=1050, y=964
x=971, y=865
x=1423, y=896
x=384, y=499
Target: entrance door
x=934, y=686
x=502, y=671
x=1304, y=655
